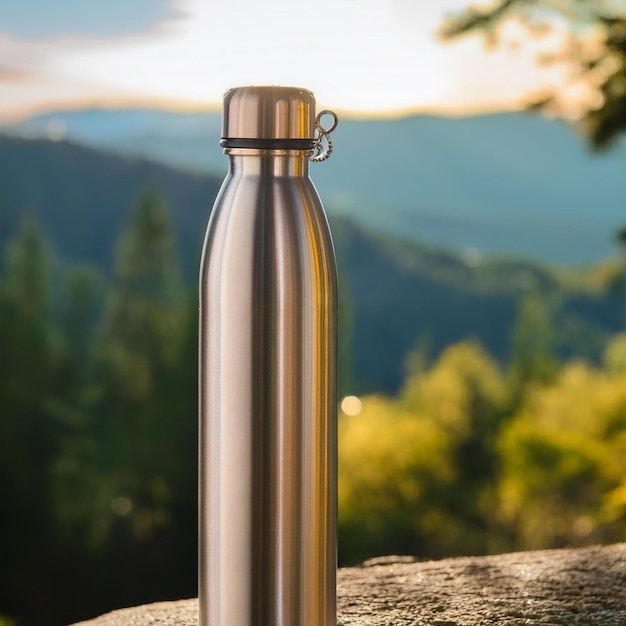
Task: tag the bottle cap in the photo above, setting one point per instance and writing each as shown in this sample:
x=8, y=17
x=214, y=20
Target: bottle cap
x=269, y=117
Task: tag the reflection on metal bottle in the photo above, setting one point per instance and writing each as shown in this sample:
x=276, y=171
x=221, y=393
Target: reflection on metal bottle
x=268, y=335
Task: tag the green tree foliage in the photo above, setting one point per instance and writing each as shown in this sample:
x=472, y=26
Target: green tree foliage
x=142, y=505
x=392, y=463
x=563, y=458
x=615, y=354
x=97, y=427
x=465, y=460
x=533, y=343
x=29, y=376
x=593, y=48
x=129, y=442
x=415, y=470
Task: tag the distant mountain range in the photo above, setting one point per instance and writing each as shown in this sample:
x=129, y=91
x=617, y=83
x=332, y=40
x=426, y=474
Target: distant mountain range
x=512, y=184
x=395, y=293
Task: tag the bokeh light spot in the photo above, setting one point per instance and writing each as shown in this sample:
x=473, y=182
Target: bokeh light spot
x=351, y=405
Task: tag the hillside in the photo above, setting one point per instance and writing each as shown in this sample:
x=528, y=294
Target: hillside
x=510, y=184
x=82, y=196
x=404, y=295
x=395, y=292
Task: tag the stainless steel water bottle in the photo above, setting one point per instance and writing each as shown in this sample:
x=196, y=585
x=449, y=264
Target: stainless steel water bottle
x=268, y=354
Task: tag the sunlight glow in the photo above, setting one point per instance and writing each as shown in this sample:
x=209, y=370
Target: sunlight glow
x=367, y=56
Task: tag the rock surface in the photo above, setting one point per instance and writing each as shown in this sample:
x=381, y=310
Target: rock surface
x=584, y=587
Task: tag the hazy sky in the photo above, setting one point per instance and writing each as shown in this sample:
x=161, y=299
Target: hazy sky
x=363, y=55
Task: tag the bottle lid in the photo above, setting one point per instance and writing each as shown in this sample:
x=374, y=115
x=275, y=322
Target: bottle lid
x=269, y=117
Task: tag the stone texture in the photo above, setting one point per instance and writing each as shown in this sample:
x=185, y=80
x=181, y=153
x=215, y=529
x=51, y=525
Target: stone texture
x=584, y=587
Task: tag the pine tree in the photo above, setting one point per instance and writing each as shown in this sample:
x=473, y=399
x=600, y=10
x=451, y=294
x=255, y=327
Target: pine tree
x=533, y=344
x=28, y=432
x=137, y=354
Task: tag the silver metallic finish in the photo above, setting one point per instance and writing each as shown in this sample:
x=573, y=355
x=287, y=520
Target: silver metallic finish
x=268, y=400
x=268, y=113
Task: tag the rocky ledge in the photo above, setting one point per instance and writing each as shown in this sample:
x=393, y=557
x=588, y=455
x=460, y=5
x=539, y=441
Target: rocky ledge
x=582, y=587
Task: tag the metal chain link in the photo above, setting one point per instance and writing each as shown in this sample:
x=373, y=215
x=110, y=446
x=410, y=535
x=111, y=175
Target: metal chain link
x=321, y=153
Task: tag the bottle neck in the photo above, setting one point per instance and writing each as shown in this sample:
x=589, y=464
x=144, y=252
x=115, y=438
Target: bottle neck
x=253, y=162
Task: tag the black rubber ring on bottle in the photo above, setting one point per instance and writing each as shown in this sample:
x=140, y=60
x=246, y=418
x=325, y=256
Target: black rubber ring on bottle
x=269, y=144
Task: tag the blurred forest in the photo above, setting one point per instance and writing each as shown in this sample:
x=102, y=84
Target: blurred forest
x=98, y=430
x=471, y=454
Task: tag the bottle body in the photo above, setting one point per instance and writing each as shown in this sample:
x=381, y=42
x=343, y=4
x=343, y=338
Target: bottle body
x=268, y=334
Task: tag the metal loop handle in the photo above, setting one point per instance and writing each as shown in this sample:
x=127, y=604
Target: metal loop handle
x=321, y=153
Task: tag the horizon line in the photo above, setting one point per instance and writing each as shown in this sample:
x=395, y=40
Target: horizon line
x=21, y=114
